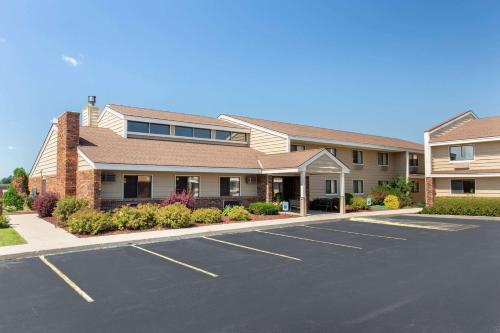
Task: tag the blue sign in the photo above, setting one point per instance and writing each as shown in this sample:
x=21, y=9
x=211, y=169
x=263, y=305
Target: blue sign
x=285, y=206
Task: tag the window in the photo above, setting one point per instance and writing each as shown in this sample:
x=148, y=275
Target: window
x=238, y=137
x=297, y=148
x=202, y=133
x=229, y=186
x=357, y=186
x=277, y=185
x=223, y=135
x=331, y=186
x=413, y=160
x=463, y=186
x=233, y=136
x=461, y=153
x=357, y=157
x=108, y=177
x=416, y=187
x=383, y=159
x=188, y=184
x=137, y=187
x=383, y=182
x=159, y=129
x=138, y=127
x=333, y=151
x=183, y=131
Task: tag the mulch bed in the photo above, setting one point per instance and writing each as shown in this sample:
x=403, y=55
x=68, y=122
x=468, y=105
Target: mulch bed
x=225, y=220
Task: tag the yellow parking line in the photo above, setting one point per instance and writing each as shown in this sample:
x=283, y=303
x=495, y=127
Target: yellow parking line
x=252, y=248
x=354, y=233
x=176, y=261
x=66, y=279
x=310, y=240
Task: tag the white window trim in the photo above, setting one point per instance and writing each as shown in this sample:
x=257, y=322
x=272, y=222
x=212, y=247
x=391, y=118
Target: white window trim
x=358, y=180
x=179, y=175
x=336, y=193
x=241, y=190
x=152, y=197
x=362, y=157
x=462, y=161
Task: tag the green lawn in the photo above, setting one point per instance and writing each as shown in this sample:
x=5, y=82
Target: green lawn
x=9, y=236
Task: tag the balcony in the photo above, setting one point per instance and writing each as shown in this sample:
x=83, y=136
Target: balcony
x=414, y=170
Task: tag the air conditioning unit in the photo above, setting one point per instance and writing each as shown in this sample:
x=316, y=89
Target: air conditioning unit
x=251, y=179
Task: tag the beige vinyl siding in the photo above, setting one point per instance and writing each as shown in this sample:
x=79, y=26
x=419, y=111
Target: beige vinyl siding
x=485, y=187
x=370, y=172
x=47, y=164
x=267, y=143
x=486, y=157
x=164, y=184
x=113, y=122
x=82, y=164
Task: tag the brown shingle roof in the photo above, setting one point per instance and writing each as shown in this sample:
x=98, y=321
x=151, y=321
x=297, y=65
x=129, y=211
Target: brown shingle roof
x=287, y=160
x=473, y=129
x=313, y=132
x=102, y=145
x=168, y=115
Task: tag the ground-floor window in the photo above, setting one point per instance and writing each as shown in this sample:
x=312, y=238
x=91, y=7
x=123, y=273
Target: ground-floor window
x=331, y=186
x=357, y=187
x=188, y=184
x=463, y=186
x=383, y=182
x=230, y=186
x=416, y=187
x=136, y=186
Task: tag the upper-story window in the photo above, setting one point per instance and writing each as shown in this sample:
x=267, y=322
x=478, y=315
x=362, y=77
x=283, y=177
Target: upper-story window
x=297, y=147
x=232, y=136
x=383, y=159
x=184, y=131
x=202, y=133
x=332, y=150
x=357, y=157
x=413, y=161
x=461, y=153
x=147, y=128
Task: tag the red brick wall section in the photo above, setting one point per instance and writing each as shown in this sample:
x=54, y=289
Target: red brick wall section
x=67, y=156
x=430, y=192
x=88, y=186
x=265, y=187
x=50, y=184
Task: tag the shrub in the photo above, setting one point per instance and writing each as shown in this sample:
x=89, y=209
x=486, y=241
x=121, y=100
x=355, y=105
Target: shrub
x=135, y=218
x=238, y=213
x=263, y=208
x=472, y=206
x=90, y=221
x=323, y=203
x=175, y=215
x=45, y=203
x=226, y=210
x=68, y=206
x=359, y=203
x=4, y=222
x=206, y=215
x=348, y=198
x=184, y=198
x=391, y=201
x=28, y=203
x=11, y=198
x=378, y=194
x=20, y=182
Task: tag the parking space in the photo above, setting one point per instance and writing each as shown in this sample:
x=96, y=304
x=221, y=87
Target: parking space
x=338, y=276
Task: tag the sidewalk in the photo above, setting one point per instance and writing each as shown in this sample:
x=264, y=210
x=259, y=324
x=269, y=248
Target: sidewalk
x=43, y=238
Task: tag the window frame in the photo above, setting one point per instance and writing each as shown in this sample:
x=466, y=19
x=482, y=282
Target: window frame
x=334, y=190
x=151, y=187
x=461, y=153
x=199, y=183
x=462, y=191
x=240, y=194
x=332, y=150
x=362, y=186
x=410, y=159
x=382, y=154
x=297, y=146
x=358, y=154
x=383, y=182
x=416, y=186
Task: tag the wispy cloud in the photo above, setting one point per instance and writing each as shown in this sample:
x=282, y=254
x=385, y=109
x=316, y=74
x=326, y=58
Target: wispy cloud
x=11, y=148
x=71, y=60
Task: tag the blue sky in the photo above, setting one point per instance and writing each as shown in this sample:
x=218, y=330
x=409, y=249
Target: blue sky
x=382, y=67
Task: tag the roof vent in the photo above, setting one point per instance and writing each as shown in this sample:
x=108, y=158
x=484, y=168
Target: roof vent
x=91, y=100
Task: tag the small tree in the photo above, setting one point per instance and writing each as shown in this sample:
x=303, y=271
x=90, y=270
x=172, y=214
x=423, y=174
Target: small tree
x=20, y=182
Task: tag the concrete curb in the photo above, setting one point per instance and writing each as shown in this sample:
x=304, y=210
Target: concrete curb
x=290, y=222
x=462, y=217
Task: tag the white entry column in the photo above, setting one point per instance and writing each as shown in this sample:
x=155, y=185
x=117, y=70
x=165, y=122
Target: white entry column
x=303, y=197
x=342, y=193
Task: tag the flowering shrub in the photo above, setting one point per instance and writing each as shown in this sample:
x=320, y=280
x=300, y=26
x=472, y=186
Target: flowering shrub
x=89, y=221
x=175, y=215
x=238, y=213
x=68, y=206
x=184, y=198
x=206, y=215
x=359, y=203
x=45, y=203
x=138, y=218
x=391, y=201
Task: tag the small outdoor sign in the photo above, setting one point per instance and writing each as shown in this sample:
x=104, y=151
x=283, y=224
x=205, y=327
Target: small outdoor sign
x=285, y=206
x=369, y=201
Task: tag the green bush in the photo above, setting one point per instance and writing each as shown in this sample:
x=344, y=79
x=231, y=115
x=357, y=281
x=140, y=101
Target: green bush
x=90, y=222
x=391, y=201
x=359, y=203
x=136, y=218
x=206, y=215
x=263, y=208
x=68, y=206
x=28, y=203
x=11, y=198
x=348, y=198
x=4, y=222
x=378, y=194
x=175, y=215
x=472, y=206
x=238, y=213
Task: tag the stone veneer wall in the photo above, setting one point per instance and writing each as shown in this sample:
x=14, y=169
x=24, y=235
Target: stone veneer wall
x=430, y=192
x=88, y=186
x=68, y=133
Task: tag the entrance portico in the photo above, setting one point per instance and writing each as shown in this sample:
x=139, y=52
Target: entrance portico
x=300, y=165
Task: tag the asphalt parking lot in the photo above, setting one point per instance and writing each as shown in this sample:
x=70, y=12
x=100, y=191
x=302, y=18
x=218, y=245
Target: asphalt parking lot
x=338, y=276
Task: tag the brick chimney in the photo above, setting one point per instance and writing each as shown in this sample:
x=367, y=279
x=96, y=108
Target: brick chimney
x=68, y=133
x=90, y=113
